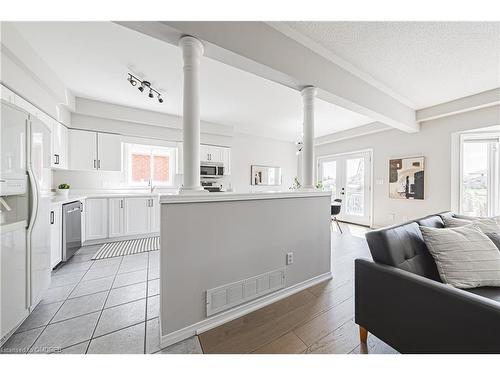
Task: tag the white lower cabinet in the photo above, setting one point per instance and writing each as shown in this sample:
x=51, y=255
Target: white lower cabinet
x=55, y=235
x=120, y=217
x=137, y=215
x=96, y=219
x=116, y=217
x=154, y=215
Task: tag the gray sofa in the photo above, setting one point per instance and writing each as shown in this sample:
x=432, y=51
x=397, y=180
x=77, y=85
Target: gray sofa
x=399, y=297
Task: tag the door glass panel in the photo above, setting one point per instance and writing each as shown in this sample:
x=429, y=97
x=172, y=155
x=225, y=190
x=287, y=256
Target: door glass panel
x=475, y=179
x=329, y=177
x=355, y=187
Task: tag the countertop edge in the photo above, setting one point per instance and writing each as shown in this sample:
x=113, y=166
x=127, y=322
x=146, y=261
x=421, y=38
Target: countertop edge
x=224, y=197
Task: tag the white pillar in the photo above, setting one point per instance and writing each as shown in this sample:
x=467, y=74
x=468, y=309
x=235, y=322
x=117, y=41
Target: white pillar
x=192, y=50
x=308, y=95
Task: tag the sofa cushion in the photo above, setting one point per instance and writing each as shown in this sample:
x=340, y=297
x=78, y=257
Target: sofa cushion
x=433, y=221
x=465, y=256
x=403, y=247
x=488, y=292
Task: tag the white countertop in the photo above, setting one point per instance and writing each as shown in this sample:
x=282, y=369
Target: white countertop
x=59, y=199
x=232, y=196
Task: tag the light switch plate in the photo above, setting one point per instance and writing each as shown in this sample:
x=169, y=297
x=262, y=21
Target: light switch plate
x=289, y=259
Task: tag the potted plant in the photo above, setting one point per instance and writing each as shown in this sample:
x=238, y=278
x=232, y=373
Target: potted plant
x=63, y=189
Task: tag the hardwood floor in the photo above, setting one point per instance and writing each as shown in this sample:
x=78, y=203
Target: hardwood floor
x=317, y=320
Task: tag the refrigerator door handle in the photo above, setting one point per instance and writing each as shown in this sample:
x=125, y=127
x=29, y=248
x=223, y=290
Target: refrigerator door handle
x=51, y=217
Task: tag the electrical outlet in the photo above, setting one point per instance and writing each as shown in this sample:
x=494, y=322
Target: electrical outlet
x=289, y=259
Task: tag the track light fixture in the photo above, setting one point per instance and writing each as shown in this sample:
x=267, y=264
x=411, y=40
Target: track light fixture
x=144, y=85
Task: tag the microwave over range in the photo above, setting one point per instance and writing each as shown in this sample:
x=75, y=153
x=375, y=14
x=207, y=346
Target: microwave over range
x=213, y=170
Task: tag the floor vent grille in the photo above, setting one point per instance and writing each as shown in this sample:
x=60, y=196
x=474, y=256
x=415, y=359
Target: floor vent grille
x=230, y=295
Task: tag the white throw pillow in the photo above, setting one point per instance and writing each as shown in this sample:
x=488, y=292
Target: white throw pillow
x=465, y=257
x=491, y=228
x=453, y=222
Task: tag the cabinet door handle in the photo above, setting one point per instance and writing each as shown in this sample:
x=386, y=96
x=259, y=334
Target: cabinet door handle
x=57, y=158
x=121, y=203
x=95, y=164
x=51, y=217
x=99, y=164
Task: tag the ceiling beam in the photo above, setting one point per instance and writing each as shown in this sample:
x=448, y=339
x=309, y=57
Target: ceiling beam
x=260, y=49
x=469, y=103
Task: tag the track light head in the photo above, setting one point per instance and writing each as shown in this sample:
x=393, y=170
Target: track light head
x=160, y=99
x=132, y=81
x=150, y=93
x=141, y=88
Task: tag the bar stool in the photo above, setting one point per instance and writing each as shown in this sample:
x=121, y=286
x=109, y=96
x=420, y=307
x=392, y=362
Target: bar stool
x=335, y=210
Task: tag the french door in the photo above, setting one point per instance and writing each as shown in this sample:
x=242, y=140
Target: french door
x=348, y=176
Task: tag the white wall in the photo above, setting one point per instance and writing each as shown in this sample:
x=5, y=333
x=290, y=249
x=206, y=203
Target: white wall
x=245, y=151
x=248, y=150
x=257, y=234
x=25, y=73
x=434, y=142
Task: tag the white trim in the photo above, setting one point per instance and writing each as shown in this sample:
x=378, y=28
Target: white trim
x=236, y=312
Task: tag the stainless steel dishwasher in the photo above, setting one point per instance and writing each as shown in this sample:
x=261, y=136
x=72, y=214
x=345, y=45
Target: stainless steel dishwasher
x=72, y=229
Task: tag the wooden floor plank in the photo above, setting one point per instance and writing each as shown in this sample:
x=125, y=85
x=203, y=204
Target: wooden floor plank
x=316, y=320
x=286, y=344
x=341, y=341
x=218, y=335
x=326, y=323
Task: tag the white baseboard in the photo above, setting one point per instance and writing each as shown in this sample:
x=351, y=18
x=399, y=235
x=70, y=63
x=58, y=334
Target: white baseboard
x=238, y=311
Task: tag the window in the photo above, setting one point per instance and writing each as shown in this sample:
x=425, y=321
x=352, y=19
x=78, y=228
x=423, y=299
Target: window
x=149, y=165
x=480, y=175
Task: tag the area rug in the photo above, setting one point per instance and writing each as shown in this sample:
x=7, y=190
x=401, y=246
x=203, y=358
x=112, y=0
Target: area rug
x=127, y=247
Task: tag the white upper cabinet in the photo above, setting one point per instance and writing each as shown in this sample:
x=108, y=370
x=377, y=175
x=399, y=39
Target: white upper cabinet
x=109, y=152
x=59, y=146
x=226, y=160
x=204, y=153
x=82, y=147
x=212, y=154
x=94, y=151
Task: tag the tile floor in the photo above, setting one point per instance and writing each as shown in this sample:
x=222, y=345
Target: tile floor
x=103, y=306
x=111, y=306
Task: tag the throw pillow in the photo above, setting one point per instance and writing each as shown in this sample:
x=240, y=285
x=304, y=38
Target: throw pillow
x=491, y=228
x=453, y=222
x=465, y=257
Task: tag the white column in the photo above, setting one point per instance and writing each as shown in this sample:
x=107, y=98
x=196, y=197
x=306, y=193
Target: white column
x=192, y=50
x=308, y=95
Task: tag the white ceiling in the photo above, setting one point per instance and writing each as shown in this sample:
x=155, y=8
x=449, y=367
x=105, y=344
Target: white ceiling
x=93, y=58
x=427, y=63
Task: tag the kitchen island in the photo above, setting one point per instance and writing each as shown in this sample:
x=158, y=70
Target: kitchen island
x=224, y=255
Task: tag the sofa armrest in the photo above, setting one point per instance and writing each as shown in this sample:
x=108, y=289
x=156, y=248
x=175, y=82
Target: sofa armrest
x=414, y=314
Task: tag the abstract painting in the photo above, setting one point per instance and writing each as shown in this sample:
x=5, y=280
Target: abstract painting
x=406, y=178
